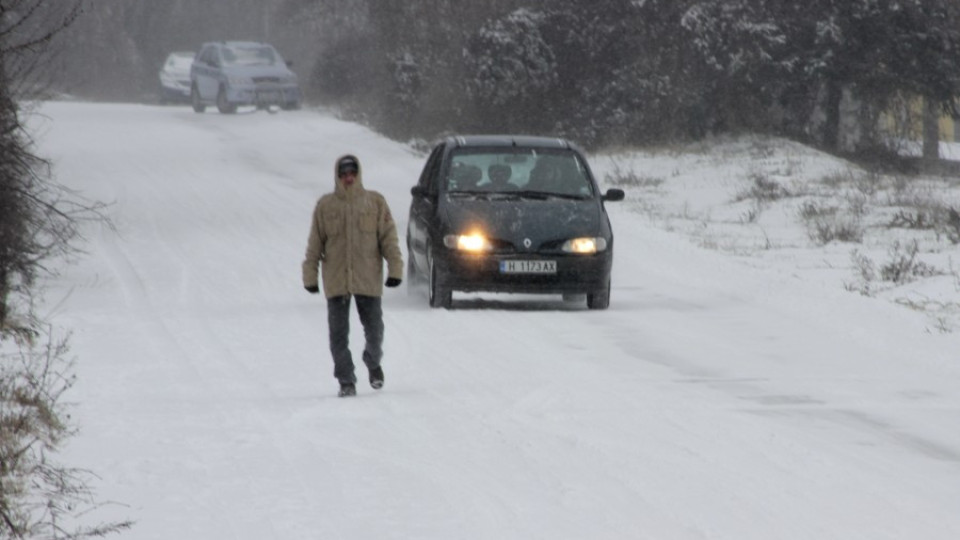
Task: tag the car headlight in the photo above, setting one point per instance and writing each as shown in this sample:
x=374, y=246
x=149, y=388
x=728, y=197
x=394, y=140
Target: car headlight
x=586, y=246
x=473, y=242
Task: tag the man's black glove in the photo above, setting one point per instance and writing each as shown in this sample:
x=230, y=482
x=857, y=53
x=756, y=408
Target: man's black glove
x=393, y=281
x=313, y=289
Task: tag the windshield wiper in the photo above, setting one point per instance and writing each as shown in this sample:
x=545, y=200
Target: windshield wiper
x=513, y=195
x=544, y=195
x=465, y=193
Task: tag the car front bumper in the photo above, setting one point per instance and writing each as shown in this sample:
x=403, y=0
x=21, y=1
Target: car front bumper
x=175, y=89
x=481, y=273
x=264, y=95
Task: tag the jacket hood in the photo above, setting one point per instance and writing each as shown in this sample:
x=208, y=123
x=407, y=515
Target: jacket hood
x=341, y=190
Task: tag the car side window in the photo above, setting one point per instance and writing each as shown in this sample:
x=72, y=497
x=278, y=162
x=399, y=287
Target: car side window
x=434, y=178
x=215, y=58
x=428, y=178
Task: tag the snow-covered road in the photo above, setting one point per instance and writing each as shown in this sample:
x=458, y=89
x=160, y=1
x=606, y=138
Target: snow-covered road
x=713, y=400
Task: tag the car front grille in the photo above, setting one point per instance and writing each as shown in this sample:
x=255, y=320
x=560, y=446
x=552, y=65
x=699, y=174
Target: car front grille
x=266, y=80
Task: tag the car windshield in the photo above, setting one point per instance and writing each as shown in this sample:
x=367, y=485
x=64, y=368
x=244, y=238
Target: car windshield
x=530, y=171
x=250, y=55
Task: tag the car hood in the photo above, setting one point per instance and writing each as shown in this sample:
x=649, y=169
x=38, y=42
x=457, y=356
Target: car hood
x=515, y=220
x=178, y=66
x=178, y=72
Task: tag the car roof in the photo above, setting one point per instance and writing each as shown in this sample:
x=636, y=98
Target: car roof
x=508, y=140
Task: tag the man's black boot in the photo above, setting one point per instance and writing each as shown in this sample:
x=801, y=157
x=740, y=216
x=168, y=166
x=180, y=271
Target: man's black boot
x=376, y=378
x=347, y=389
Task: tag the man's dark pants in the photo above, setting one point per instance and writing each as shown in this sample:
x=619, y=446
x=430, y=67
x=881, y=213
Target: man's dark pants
x=338, y=321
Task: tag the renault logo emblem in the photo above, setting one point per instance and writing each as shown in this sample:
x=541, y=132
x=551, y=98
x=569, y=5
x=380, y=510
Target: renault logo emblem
x=527, y=243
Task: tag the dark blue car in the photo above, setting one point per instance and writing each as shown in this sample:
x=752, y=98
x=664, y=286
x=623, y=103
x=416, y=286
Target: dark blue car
x=512, y=214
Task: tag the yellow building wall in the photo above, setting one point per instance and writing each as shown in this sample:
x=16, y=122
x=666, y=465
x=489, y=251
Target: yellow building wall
x=949, y=128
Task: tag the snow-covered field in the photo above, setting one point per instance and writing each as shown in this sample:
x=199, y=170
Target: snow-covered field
x=739, y=387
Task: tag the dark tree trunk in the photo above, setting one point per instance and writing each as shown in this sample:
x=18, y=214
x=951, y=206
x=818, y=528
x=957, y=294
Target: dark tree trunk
x=831, y=126
x=931, y=130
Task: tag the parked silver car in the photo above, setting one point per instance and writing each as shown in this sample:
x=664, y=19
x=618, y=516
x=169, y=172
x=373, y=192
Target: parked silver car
x=229, y=74
x=175, y=77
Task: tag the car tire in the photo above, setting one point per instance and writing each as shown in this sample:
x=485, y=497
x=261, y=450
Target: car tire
x=291, y=106
x=224, y=106
x=599, y=299
x=440, y=297
x=198, y=106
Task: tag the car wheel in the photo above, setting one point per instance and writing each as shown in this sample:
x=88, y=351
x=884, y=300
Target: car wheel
x=224, y=106
x=438, y=295
x=291, y=106
x=198, y=105
x=599, y=299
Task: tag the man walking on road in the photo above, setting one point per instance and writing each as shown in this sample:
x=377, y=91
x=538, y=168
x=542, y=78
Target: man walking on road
x=351, y=233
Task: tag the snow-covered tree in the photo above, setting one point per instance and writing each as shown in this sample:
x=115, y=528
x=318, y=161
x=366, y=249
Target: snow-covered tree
x=510, y=67
x=601, y=72
x=742, y=60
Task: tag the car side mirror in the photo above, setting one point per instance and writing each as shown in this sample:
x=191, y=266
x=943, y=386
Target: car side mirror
x=613, y=195
x=418, y=191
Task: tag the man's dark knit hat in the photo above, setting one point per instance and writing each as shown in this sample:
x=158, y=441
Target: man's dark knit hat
x=347, y=164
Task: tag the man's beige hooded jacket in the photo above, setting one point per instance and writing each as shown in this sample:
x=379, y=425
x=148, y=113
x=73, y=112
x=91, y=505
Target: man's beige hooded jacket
x=352, y=232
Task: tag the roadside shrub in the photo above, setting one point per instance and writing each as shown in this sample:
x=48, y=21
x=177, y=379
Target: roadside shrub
x=753, y=214
x=763, y=190
x=910, y=194
x=866, y=273
x=826, y=224
x=903, y=266
x=837, y=179
x=868, y=184
x=629, y=178
x=951, y=227
x=917, y=219
x=40, y=497
x=945, y=221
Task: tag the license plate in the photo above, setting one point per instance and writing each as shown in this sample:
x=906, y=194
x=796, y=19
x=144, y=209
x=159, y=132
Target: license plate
x=528, y=267
x=268, y=97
